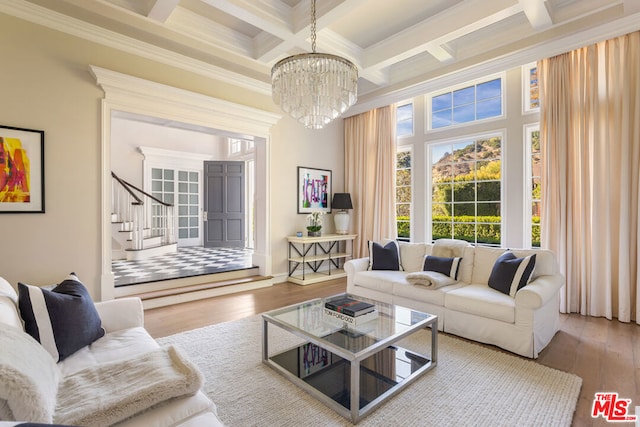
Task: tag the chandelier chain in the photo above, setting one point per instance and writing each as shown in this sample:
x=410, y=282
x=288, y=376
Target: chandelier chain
x=313, y=26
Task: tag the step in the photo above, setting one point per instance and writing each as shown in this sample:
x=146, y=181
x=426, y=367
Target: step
x=178, y=295
x=148, y=252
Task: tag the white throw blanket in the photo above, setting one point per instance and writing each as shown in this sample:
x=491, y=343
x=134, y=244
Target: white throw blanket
x=430, y=279
x=109, y=393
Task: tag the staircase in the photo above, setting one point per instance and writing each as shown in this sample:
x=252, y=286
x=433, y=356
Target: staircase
x=142, y=225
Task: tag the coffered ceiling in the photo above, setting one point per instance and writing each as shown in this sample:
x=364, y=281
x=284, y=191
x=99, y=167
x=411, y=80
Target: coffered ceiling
x=396, y=44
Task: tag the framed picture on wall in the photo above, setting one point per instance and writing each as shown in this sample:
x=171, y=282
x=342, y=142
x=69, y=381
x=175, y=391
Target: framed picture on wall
x=314, y=190
x=21, y=170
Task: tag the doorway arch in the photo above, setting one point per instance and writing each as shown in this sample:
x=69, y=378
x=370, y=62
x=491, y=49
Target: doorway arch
x=124, y=93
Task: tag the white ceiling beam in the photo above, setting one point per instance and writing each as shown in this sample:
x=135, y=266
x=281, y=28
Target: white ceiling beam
x=441, y=52
x=162, y=9
x=434, y=33
x=327, y=11
x=273, y=16
x=537, y=13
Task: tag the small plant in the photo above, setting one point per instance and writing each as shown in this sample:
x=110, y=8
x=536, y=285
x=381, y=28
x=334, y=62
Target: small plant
x=314, y=221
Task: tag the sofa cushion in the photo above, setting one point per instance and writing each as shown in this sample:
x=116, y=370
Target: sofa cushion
x=121, y=344
x=421, y=293
x=484, y=259
x=510, y=273
x=63, y=320
x=412, y=255
x=28, y=378
x=446, y=266
x=379, y=280
x=481, y=300
x=385, y=257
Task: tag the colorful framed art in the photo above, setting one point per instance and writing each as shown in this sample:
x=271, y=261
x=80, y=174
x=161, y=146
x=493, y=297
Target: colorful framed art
x=314, y=190
x=21, y=170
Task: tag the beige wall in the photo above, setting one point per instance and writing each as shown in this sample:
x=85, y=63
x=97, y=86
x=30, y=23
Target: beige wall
x=45, y=85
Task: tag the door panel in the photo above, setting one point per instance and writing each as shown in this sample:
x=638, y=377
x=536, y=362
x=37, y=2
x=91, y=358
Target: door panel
x=224, y=204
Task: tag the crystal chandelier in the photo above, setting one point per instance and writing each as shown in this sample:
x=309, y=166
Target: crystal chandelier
x=314, y=88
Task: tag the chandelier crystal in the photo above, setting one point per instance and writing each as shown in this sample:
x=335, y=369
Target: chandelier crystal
x=314, y=88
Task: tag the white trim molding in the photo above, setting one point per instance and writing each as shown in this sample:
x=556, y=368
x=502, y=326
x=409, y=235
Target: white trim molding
x=127, y=94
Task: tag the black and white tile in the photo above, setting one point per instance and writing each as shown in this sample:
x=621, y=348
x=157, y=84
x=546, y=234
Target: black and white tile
x=187, y=262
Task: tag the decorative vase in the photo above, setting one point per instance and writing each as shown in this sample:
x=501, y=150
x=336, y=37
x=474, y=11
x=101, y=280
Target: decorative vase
x=314, y=233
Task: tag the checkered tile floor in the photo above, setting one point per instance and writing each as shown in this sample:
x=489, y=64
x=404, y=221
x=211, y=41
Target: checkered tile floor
x=187, y=262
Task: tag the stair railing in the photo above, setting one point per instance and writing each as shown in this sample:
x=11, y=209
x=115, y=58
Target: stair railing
x=128, y=205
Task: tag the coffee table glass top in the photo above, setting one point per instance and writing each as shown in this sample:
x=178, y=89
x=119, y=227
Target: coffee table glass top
x=310, y=320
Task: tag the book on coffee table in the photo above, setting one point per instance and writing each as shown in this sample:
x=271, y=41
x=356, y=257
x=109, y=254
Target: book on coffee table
x=349, y=306
x=342, y=319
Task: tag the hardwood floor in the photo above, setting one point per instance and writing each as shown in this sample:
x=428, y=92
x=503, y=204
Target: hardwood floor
x=605, y=354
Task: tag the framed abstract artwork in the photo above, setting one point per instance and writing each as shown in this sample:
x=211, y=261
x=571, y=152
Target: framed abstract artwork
x=314, y=190
x=21, y=170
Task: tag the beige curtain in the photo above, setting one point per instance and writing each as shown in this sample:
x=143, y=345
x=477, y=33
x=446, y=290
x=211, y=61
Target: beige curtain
x=370, y=175
x=590, y=136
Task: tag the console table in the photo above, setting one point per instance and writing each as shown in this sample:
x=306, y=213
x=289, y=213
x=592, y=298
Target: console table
x=308, y=256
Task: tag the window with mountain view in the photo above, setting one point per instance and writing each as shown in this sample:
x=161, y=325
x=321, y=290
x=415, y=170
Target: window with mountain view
x=466, y=181
x=468, y=104
x=403, y=193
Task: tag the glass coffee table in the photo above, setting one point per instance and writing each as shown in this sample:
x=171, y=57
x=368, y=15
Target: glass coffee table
x=340, y=364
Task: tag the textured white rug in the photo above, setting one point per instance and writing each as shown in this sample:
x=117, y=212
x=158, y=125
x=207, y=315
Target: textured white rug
x=471, y=385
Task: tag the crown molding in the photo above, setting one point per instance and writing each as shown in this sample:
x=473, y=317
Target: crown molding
x=138, y=95
x=56, y=21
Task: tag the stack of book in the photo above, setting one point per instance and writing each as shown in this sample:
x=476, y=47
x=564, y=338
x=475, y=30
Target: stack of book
x=350, y=311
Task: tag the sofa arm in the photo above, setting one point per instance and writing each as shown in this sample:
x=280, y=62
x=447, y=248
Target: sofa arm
x=123, y=313
x=537, y=293
x=352, y=266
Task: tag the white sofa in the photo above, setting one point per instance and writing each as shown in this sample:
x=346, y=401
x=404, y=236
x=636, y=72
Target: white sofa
x=524, y=324
x=125, y=339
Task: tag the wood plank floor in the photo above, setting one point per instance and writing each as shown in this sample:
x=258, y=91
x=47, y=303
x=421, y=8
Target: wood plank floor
x=605, y=354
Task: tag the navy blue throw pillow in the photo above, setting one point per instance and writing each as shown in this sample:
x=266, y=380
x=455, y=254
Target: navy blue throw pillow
x=509, y=273
x=63, y=319
x=385, y=257
x=446, y=266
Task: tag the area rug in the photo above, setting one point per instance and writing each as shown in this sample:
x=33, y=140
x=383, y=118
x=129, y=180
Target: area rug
x=471, y=385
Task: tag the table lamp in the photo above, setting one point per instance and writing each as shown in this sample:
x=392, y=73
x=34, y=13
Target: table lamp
x=341, y=201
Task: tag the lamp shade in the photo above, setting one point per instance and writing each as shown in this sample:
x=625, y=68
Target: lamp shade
x=341, y=201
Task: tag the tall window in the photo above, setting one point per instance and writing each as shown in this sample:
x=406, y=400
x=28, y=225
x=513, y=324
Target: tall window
x=534, y=170
x=404, y=120
x=403, y=193
x=468, y=104
x=466, y=178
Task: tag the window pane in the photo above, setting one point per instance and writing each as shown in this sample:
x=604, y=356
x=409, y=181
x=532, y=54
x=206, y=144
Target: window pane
x=488, y=234
x=490, y=89
x=182, y=175
x=404, y=120
x=193, y=210
x=489, y=209
x=489, y=108
x=442, y=230
x=464, y=114
x=183, y=210
x=464, y=96
x=156, y=173
x=193, y=176
x=440, y=154
x=404, y=229
x=464, y=209
x=193, y=233
x=441, y=102
x=403, y=209
x=183, y=187
x=442, y=193
x=441, y=119
x=441, y=174
x=441, y=211
x=464, y=171
x=168, y=198
x=464, y=231
x=168, y=174
x=489, y=191
x=403, y=160
x=403, y=194
x=464, y=150
x=156, y=186
x=183, y=233
x=403, y=177
x=168, y=186
x=193, y=188
x=464, y=192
